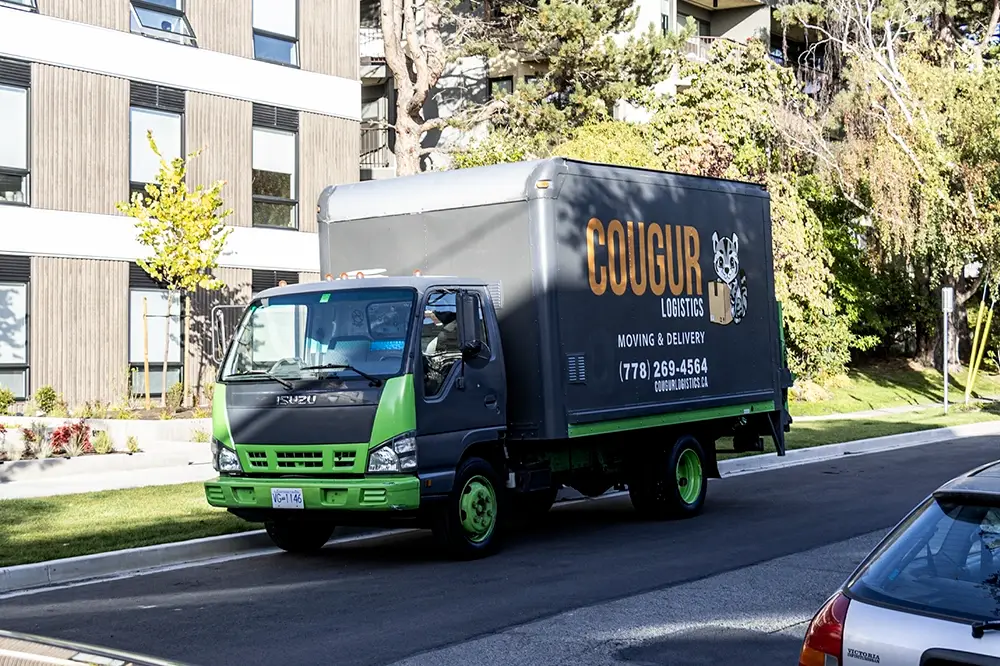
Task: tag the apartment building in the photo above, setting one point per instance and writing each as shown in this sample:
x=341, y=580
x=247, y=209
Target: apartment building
x=269, y=89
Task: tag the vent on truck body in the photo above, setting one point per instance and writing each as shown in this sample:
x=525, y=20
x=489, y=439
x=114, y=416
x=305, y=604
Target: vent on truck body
x=496, y=294
x=577, y=367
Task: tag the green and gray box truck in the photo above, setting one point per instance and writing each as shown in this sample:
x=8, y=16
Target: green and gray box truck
x=485, y=337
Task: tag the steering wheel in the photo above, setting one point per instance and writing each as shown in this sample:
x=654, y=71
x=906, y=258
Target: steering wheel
x=283, y=362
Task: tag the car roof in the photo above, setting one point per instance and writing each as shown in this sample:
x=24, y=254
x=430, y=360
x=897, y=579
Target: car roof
x=420, y=283
x=982, y=481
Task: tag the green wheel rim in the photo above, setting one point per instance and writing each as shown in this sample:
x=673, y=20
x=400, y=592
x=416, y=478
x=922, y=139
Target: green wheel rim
x=478, y=509
x=689, y=476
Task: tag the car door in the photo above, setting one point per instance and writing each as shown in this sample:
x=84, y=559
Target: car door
x=458, y=402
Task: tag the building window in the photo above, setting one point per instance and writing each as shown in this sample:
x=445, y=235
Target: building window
x=665, y=23
x=275, y=160
x=162, y=19
x=261, y=280
x=149, y=341
x=704, y=27
x=26, y=5
x=15, y=276
x=161, y=111
x=275, y=31
x=500, y=86
x=15, y=82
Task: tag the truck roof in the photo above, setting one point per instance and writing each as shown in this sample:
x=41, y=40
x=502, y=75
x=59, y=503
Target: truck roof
x=494, y=184
x=421, y=283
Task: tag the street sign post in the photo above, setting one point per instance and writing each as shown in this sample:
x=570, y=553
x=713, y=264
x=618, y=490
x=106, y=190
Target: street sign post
x=947, y=307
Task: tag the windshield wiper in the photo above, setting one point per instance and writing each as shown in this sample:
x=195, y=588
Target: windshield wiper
x=264, y=373
x=979, y=628
x=376, y=382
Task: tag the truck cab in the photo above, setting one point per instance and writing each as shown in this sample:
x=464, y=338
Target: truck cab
x=363, y=401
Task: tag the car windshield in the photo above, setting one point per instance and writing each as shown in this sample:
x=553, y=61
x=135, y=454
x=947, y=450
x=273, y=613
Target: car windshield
x=944, y=560
x=291, y=336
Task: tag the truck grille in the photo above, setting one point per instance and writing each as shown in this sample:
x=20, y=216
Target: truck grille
x=335, y=458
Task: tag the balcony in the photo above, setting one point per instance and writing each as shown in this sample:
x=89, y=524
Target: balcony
x=371, y=45
x=376, y=151
x=698, y=48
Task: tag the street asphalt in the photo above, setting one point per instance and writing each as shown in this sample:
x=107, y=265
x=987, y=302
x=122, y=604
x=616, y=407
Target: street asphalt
x=589, y=580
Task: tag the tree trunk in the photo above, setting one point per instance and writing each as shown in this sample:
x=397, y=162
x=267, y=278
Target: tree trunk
x=166, y=352
x=407, y=147
x=184, y=352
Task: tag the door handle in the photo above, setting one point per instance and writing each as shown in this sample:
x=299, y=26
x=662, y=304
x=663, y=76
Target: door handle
x=490, y=401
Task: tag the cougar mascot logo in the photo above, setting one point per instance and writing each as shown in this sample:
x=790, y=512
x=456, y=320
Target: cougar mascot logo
x=727, y=266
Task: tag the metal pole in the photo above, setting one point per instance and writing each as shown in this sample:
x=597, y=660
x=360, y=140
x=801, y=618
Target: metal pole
x=947, y=305
x=946, y=362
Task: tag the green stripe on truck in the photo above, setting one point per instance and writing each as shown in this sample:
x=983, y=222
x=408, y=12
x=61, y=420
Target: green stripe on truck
x=674, y=418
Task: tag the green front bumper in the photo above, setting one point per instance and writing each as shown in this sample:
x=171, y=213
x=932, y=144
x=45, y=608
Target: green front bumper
x=375, y=493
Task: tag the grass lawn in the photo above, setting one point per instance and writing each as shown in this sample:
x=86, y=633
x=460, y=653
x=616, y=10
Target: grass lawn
x=47, y=528
x=34, y=530
x=895, y=385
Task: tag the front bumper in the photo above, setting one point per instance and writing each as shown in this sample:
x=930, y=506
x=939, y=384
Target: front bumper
x=374, y=493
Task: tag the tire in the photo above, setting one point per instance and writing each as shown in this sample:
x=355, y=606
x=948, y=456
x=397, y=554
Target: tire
x=674, y=485
x=533, y=504
x=470, y=521
x=298, y=537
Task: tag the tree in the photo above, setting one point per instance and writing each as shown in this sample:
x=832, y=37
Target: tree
x=422, y=38
x=185, y=233
x=912, y=140
x=591, y=61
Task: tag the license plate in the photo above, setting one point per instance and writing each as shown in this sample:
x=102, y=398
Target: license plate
x=287, y=498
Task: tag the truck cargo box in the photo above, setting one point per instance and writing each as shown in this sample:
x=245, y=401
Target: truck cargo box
x=625, y=296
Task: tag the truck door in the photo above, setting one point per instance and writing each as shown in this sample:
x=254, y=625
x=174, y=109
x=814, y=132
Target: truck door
x=459, y=402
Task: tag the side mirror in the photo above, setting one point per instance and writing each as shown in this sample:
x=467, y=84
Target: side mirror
x=469, y=325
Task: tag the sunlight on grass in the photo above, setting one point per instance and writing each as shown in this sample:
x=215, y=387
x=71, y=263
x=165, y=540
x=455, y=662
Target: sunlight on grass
x=895, y=385
x=38, y=529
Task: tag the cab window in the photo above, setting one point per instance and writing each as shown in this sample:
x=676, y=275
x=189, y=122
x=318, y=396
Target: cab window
x=439, y=341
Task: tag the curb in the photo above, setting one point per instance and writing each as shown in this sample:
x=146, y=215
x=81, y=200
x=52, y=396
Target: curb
x=27, y=578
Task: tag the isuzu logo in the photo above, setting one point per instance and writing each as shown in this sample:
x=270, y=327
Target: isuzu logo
x=296, y=399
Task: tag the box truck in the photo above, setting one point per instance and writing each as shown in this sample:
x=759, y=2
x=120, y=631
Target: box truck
x=483, y=338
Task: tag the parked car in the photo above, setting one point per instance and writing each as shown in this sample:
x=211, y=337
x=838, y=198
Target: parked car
x=26, y=650
x=928, y=594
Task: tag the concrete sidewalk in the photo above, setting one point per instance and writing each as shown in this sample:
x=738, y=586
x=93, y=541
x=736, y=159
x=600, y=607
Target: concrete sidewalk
x=115, y=480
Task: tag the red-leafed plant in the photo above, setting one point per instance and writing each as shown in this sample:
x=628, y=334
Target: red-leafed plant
x=72, y=439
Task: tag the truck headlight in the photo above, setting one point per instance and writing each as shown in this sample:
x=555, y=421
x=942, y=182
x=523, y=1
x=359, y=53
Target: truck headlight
x=224, y=459
x=399, y=454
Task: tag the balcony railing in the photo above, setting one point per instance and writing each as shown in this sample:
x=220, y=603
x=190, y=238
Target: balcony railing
x=376, y=152
x=698, y=48
x=371, y=45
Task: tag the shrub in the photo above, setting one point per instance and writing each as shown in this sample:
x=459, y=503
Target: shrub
x=39, y=433
x=6, y=400
x=78, y=439
x=208, y=393
x=44, y=449
x=92, y=410
x=103, y=444
x=46, y=399
x=202, y=413
x=175, y=397
x=122, y=413
x=132, y=444
x=200, y=436
x=166, y=415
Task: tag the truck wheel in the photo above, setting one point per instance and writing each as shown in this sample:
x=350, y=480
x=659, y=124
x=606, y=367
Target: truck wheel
x=534, y=503
x=298, y=537
x=675, y=485
x=469, y=522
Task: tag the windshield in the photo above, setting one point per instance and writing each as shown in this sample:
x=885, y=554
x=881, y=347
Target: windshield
x=945, y=561
x=288, y=336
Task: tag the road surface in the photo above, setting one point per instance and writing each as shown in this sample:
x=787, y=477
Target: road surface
x=380, y=602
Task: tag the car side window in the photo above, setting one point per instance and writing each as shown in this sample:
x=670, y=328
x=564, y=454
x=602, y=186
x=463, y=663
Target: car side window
x=439, y=341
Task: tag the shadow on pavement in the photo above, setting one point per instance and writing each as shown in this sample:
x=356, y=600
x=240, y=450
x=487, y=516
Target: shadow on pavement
x=710, y=646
